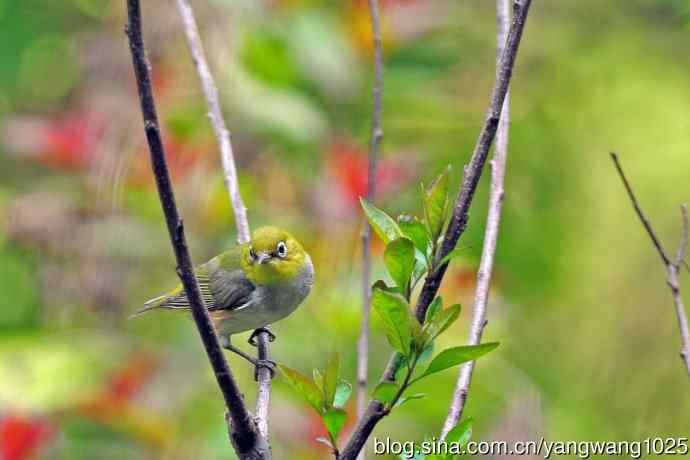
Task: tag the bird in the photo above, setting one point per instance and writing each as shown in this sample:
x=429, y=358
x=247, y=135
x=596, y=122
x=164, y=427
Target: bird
x=248, y=287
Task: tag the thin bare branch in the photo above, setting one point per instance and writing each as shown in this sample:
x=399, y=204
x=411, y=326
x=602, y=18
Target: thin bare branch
x=645, y=222
x=672, y=267
x=263, y=376
x=244, y=434
x=375, y=411
x=230, y=174
x=374, y=145
x=493, y=220
x=683, y=245
x=216, y=115
x=474, y=169
x=673, y=275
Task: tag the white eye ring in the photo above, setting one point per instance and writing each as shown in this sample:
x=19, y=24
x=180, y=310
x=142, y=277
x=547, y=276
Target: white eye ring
x=282, y=249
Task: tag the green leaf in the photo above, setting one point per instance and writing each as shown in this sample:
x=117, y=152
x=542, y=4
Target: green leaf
x=330, y=381
x=405, y=399
x=318, y=379
x=342, y=394
x=417, y=455
x=383, y=224
x=334, y=419
x=461, y=433
x=418, y=337
x=426, y=354
x=385, y=392
x=435, y=307
x=457, y=355
x=401, y=366
x=305, y=387
x=415, y=231
x=420, y=268
x=399, y=257
x=436, y=204
x=395, y=316
x=441, y=321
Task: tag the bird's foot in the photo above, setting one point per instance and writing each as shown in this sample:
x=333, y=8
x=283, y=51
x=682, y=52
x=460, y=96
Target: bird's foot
x=266, y=364
x=252, y=338
x=225, y=342
x=258, y=363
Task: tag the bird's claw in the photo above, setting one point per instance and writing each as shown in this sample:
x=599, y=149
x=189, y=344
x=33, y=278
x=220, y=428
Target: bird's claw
x=266, y=364
x=252, y=338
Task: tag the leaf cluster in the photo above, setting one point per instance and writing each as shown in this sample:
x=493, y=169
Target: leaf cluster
x=326, y=393
x=412, y=246
x=411, y=253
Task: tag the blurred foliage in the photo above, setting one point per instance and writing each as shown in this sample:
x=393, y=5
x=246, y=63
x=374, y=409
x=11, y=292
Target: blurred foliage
x=588, y=337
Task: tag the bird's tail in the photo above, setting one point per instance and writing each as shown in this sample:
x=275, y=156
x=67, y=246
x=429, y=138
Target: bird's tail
x=172, y=300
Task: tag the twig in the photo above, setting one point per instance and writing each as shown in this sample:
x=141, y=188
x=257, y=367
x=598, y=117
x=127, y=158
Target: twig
x=645, y=222
x=221, y=131
x=230, y=174
x=672, y=267
x=245, y=437
x=473, y=170
x=375, y=411
x=375, y=142
x=493, y=220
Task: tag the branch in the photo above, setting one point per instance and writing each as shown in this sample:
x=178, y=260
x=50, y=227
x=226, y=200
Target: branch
x=645, y=222
x=375, y=411
x=375, y=142
x=672, y=267
x=221, y=131
x=230, y=174
x=493, y=220
x=246, y=439
x=473, y=170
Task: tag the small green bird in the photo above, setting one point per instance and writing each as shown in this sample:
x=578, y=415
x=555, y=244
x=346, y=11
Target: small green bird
x=248, y=287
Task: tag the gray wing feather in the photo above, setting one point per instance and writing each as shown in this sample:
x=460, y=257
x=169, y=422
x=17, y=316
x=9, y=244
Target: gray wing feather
x=223, y=290
x=231, y=290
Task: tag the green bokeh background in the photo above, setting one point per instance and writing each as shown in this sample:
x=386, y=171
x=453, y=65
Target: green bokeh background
x=589, y=339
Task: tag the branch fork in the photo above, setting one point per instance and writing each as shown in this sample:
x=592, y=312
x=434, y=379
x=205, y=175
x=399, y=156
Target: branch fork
x=672, y=267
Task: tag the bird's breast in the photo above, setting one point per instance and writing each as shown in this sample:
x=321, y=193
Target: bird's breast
x=270, y=303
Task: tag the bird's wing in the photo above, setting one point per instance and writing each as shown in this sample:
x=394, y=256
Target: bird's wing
x=231, y=290
x=222, y=283
x=177, y=298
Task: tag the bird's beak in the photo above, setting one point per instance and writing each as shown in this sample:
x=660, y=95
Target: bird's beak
x=263, y=257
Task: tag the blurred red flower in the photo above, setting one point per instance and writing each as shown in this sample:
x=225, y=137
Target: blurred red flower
x=21, y=437
x=67, y=142
x=348, y=163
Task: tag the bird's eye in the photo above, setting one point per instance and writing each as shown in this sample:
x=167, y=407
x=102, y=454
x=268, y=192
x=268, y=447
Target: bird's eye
x=282, y=249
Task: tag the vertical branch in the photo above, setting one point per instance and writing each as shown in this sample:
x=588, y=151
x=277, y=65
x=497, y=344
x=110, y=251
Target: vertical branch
x=493, y=219
x=474, y=169
x=375, y=142
x=221, y=131
x=246, y=439
x=672, y=266
x=375, y=410
x=230, y=174
x=674, y=284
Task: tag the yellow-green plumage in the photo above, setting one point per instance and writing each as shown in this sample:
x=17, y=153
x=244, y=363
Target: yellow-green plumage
x=251, y=285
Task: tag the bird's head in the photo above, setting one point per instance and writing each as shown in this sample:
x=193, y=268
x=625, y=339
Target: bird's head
x=272, y=256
